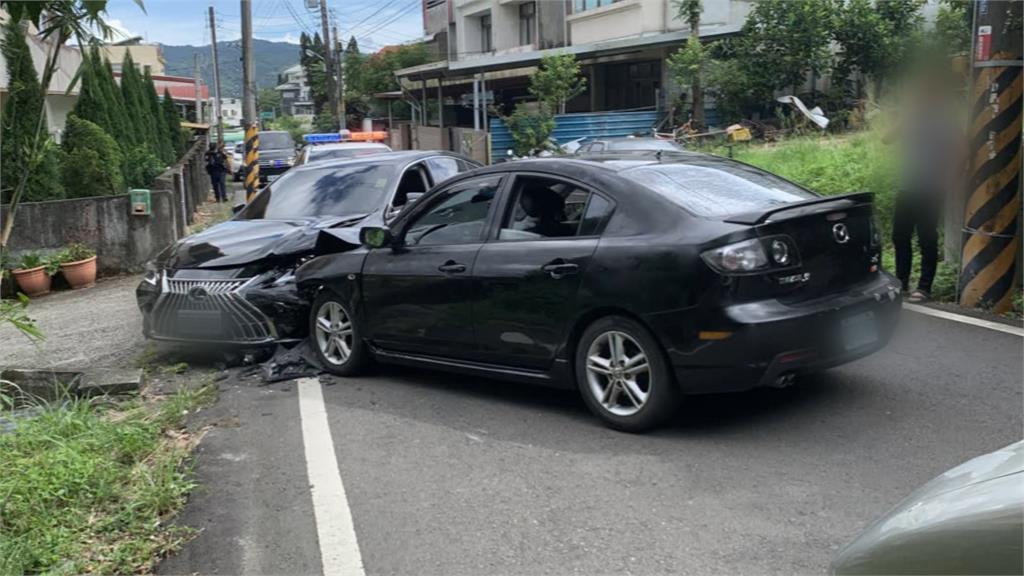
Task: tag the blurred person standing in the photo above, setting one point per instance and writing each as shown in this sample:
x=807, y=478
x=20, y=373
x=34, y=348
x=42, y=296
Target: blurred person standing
x=930, y=134
x=217, y=167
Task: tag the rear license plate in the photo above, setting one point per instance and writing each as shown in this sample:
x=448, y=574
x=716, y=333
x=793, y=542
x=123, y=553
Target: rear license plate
x=272, y=177
x=199, y=322
x=858, y=330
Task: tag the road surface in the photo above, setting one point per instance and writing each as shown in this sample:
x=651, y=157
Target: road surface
x=447, y=475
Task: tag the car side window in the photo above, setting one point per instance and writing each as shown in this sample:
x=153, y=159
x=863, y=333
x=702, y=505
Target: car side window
x=596, y=147
x=413, y=181
x=457, y=217
x=543, y=208
x=442, y=168
x=595, y=215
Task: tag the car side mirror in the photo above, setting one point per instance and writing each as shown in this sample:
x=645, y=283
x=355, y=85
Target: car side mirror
x=237, y=207
x=376, y=237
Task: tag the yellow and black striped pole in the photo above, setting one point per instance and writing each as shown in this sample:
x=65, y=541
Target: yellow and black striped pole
x=252, y=161
x=992, y=215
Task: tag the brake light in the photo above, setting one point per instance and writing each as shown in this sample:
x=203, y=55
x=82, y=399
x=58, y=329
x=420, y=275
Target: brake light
x=753, y=256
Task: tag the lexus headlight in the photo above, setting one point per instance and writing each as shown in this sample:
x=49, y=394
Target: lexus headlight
x=152, y=274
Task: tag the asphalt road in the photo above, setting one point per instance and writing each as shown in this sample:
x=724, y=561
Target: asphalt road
x=448, y=475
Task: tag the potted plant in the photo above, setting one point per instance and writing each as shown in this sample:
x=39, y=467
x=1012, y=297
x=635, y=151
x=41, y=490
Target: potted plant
x=78, y=263
x=34, y=272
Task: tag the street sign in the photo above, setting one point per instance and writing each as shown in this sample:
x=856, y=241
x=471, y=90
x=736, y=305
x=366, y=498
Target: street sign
x=267, y=115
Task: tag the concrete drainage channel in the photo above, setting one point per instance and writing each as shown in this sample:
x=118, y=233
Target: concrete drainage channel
x=28, y=390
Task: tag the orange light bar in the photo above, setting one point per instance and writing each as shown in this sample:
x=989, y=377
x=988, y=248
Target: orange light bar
x=708, y=335
x=367, y=136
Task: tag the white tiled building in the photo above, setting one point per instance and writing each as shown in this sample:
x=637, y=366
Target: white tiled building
x=295, y=93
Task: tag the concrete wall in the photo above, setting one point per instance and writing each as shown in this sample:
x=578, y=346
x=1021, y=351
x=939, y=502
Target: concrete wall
x=123, y=242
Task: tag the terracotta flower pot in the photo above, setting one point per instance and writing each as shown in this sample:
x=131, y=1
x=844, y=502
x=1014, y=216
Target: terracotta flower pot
x=33, y=281
x=81, y=274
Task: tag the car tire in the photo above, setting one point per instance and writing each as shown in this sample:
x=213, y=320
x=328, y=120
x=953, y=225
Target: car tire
x=623, y=375
x=335, y=336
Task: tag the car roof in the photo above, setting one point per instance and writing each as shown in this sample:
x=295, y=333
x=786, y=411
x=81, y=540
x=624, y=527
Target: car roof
x=393, y=158
x=608, y=162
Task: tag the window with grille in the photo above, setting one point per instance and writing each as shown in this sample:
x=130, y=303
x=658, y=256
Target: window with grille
x=527, y=22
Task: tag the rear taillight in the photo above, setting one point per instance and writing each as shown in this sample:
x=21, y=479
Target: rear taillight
x=754, y=256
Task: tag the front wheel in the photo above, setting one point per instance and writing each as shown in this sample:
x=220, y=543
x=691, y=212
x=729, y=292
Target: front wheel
x=623, y=376
x=335, y=336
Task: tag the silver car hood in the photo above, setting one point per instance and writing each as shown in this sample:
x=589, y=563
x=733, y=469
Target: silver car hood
x=967, y=520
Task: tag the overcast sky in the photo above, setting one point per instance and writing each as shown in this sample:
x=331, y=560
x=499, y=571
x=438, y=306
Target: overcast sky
x=375, y=23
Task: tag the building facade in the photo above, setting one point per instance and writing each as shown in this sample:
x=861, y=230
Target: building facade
x=496, y=45
x=296, y=99
x=146, y=56
x=230, y=111
x=60, y=100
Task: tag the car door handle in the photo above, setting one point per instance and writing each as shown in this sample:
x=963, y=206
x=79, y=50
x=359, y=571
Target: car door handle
x=560, y=268
x=452, y=267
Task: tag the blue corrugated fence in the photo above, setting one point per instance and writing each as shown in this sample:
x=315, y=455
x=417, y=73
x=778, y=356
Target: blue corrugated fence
x=572, y=126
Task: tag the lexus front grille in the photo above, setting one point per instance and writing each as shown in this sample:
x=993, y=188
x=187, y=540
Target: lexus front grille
x=212, y=310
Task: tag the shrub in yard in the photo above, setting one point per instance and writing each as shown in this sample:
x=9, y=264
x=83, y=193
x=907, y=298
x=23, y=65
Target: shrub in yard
x=46, y=181
x=141, y=167
x=531, y=129
x=92, y=164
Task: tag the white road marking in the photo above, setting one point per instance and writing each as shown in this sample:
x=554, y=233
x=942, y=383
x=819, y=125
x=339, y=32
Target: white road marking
x=339, y=550
x=999, y=327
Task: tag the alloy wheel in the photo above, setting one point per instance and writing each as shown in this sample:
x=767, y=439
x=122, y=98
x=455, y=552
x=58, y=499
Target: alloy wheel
x=618, y=373
x=334, y=333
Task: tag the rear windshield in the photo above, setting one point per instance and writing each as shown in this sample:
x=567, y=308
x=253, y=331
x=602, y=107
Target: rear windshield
x=716, y=189
x=276, y=140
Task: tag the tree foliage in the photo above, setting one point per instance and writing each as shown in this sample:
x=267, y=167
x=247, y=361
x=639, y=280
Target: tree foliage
x=557, y=81
x=18, y=122
x=92, y=161
x=173, y=121
x=874, y=37
x=531, y=129
x=953, y=25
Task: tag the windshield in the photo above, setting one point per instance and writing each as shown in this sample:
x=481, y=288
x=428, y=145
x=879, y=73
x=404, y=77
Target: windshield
x=717, y=189
x=335, y=153
x=329, y=191
x=643, y=144
x=276, y=140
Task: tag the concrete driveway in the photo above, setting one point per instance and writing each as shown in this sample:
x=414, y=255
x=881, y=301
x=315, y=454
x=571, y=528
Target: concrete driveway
x=448, y=475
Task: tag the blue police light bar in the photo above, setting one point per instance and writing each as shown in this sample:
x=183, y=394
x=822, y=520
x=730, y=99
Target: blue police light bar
x=322, y=138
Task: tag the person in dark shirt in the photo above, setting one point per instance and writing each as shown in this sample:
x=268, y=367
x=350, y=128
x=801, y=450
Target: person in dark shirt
x=217, y=167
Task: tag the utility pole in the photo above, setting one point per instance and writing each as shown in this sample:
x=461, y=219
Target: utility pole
x=342, y=113
x=249, y=118
x=990, y=258
x=199, y=91
x=332, y=96
x=216, y=80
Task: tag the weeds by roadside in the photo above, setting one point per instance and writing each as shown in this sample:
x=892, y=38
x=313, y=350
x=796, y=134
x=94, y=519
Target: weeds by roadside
x=88, y=486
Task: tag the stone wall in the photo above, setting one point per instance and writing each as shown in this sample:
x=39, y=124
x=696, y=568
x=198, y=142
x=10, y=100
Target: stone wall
x=124, y=242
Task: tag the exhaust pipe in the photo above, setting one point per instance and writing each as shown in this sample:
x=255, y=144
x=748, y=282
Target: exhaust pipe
x=784, y=380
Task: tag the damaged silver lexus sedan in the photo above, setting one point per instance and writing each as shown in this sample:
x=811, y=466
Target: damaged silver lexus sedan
x=234, y=283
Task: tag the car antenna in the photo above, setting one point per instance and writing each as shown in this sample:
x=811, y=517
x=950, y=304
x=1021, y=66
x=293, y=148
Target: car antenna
x=657, y=154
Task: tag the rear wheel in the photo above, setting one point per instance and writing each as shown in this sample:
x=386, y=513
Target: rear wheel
x=623, y=376
x=335, y=336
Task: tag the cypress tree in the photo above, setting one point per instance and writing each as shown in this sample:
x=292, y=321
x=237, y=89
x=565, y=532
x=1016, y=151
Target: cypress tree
x=136, y=108
x=91, y=105
x=18, y=123
x=173, y=121
x=165, y=148
x=126, y=135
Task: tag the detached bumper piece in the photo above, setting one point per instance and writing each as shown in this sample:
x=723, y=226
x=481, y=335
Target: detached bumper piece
x=208, y=311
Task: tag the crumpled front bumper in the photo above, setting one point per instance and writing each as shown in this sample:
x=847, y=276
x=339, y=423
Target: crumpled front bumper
x=245, y=311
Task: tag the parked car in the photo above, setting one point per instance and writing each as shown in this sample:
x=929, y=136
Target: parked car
x=968, y=520
x=319, y=152
x=276, y=154
x=628, y=144
x=238, y=161
x=234, y=282
x=635, y=280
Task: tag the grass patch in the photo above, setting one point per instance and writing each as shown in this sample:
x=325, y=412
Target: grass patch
x=210, y=214
x=88, y=488
x=844, y=164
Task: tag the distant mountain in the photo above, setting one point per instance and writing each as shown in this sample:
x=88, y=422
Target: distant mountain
x=271, y=58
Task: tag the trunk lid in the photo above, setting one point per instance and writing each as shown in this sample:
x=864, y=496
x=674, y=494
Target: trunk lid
x=836, y=240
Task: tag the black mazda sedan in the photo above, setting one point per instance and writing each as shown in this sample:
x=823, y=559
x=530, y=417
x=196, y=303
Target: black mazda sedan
x=638, y=280
x=235, y=283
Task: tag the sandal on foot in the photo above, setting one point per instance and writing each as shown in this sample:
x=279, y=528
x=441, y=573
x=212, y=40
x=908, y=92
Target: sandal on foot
x=918, y=296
